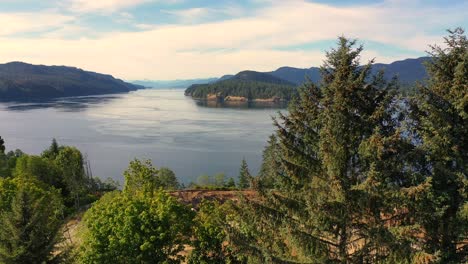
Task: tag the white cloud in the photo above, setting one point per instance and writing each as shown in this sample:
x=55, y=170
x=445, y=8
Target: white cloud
x=14, y=23
x=106, y=6
x=198, y=14
x=190, y=15
x=217, y=48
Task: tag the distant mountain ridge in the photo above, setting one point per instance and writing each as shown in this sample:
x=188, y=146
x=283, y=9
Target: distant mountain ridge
x=161, y=84
x=260, y=77
x=23, y=81
x=408, y=71
x=276, y=85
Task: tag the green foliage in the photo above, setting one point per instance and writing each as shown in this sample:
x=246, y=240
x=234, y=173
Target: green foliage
x=52, y=151
x=204, y=180
x=168, y=179
x=30, y=217
x=219, y=180
x=245, y=179
x=107, y=185
x=324, y=168
x=144, y=178
x=213, y=182
x=209, y=236
x=127, y=228
x=2, y=146
x=44, y=169
x=270, y=166
x=230, y=183
x=69, y=162
x=440, y=115
x=7, y=160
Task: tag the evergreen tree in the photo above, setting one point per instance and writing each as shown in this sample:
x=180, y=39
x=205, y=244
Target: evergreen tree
x=29, y=227
x=440, y=112
x=329, y=200
x=2, y=146
x=230, y=183
x=4, y=170
x=52, y=151
x=270, y=166
x=42, y=168
x=245, y=179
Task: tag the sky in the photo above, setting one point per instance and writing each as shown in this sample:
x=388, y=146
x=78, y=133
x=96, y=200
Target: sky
x=182, y=39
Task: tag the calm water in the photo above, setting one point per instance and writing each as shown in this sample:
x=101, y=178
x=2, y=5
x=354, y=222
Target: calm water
x=162, y=125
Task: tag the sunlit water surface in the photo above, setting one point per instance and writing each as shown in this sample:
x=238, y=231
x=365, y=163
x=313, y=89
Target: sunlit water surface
x=162, y=125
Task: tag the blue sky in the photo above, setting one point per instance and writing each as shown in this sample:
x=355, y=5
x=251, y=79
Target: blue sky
x=156, y=39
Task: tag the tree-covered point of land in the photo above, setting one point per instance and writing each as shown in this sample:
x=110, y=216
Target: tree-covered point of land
x=22, y=81
x=249, y=89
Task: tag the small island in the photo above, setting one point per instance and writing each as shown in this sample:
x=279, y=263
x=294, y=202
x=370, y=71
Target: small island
x=245, y=87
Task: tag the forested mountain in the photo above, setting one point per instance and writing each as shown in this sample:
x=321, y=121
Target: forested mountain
x=297, y=75
x=22, y=81
x=408, y=71
x=245, y=86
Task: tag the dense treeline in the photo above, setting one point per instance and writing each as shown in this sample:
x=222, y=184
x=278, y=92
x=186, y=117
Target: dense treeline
x=250, y=85
x=354, y=173
x=37, y=194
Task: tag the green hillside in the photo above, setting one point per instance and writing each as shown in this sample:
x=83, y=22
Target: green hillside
x=22, y=81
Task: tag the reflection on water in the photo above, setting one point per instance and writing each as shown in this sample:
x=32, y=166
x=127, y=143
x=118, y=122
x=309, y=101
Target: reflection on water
x=241, y=104
x=69, y=104
x=162, y=125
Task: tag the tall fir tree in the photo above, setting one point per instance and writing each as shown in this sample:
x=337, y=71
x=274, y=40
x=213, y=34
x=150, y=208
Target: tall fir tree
x=2, y=146
x=4, y=170
x=52, y=151
x=329, y=199
x=440, y=112
x=29, y=227
x=270, y=165
x=245, y=179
